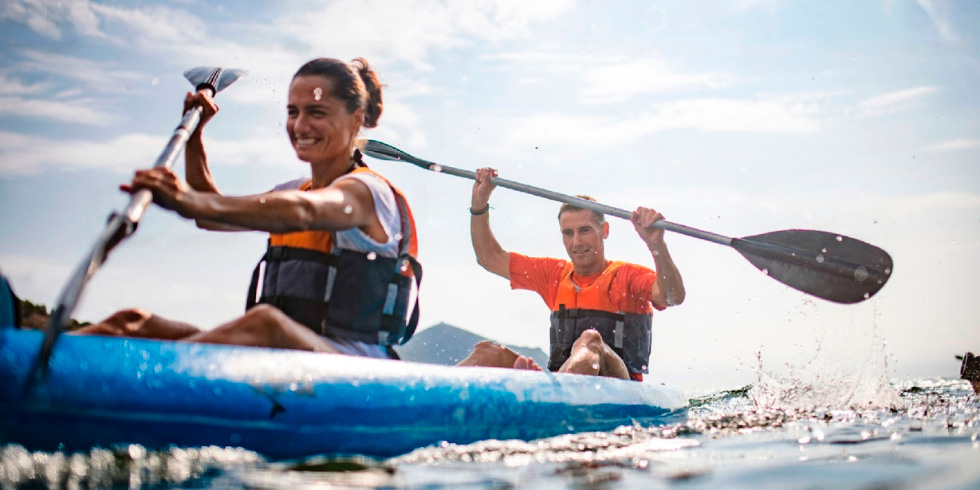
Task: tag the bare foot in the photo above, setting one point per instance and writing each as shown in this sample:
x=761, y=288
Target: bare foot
x=526, y=363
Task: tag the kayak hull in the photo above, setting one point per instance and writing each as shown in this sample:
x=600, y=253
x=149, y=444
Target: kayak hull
x=107, y=391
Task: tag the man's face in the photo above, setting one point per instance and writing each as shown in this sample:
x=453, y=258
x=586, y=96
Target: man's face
x=583, y=237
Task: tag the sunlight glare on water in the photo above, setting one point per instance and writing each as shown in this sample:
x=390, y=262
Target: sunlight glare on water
x=926, y=438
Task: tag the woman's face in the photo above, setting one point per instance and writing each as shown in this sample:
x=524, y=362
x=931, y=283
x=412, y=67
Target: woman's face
x=318, y=124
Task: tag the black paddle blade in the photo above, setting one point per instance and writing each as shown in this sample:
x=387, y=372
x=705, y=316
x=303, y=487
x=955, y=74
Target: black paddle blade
x=384, y=151
x=827, y=265
x=379, y=150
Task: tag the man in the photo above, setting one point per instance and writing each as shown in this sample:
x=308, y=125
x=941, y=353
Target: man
x=601, y=310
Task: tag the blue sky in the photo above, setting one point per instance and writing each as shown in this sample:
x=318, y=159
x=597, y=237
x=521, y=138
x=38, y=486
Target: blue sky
x=739, y=117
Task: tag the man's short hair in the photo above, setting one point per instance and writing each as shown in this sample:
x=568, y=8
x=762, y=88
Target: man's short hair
x=599, y=217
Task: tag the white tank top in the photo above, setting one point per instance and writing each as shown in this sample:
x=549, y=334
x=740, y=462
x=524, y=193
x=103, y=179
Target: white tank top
x=385, y=208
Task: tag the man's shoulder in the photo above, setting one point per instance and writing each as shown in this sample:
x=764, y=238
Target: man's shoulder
x=521, y=261
x=533, y=258
x=630, y=270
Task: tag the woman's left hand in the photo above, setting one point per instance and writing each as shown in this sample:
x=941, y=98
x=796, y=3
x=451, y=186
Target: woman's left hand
x=169, y=192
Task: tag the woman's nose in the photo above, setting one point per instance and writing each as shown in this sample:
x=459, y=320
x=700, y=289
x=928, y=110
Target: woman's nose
x=300, y=123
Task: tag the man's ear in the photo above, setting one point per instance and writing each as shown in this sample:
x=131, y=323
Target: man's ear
x=605, y=230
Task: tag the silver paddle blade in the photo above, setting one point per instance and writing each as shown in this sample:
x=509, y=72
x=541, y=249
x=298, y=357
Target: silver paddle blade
x=215, y=78
x=379, y=150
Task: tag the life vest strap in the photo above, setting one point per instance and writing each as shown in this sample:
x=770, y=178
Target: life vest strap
x=583, y=312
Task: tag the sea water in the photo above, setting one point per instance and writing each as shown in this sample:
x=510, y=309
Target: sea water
x=776, y=433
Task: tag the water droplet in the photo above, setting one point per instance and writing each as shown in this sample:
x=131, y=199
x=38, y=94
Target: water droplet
x=372, y=256
x=595, y=366
x=155, y=81
x=656, y=253
x=867, y=295
x=404, y=267
x=437, y=168
x=888, y=271
x=348, y=209
x=819, y=259
x=317, y=93
x=840, y=238
x=765, y=272
x=824, y=250
x=398, y=236
x=860, y=274
x=261, y=200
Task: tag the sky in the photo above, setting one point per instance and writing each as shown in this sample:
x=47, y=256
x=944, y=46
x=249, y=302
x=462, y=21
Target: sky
x=734, y=116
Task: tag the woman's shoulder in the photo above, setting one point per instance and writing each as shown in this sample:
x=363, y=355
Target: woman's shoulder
x=378, y=185
x=291, y=185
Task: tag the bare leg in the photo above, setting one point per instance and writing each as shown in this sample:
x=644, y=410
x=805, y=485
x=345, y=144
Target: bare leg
x=138, y=323
x=590, y=355
x=490, y=354
x=265, y=326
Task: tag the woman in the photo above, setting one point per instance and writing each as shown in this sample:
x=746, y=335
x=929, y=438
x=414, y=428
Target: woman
x=340, y=264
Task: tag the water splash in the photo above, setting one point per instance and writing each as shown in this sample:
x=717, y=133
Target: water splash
x=123, y=467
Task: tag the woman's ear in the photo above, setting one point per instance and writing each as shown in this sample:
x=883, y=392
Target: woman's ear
x=357, y=120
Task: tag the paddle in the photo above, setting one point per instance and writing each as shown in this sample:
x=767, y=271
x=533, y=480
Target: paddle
x=826, y=265
x=123, y=224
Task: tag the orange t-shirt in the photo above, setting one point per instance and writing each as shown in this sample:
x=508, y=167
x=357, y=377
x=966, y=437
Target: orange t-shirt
x=630, y=290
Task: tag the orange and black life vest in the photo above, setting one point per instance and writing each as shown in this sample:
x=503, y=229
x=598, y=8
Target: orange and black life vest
x=339, y=292
x=578, y=309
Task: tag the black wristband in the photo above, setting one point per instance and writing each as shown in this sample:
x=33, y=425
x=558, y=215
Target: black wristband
x=481, y=211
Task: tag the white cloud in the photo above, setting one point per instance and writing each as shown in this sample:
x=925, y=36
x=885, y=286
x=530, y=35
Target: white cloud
x=34, y=278
x=750, y=4
x=155, y=23
x=15, y=87
x=793, y=115
x=616, y=79
x=621, y=80
x=29, y=155
x=44, y=16
x=82, y=111
x=893, y=102
x=953, y=145
x=407, y=31
x=939, y=21
x=102, y=76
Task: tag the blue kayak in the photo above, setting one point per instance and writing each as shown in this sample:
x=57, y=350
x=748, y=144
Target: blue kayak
x=283, y=404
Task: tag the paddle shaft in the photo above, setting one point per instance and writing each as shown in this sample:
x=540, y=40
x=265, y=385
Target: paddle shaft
x=575, y=201
x=827, y=265
x=770, y=250
x=121, y=225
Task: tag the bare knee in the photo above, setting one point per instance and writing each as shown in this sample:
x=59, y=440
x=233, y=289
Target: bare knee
x=487, y=353
x=590, y=339
x=487, y=347
x=127, y=316
x=262, y=319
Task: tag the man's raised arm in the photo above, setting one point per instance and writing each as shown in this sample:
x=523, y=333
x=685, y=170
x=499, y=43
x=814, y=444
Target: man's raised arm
x=669, y=288
x=489, y=253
